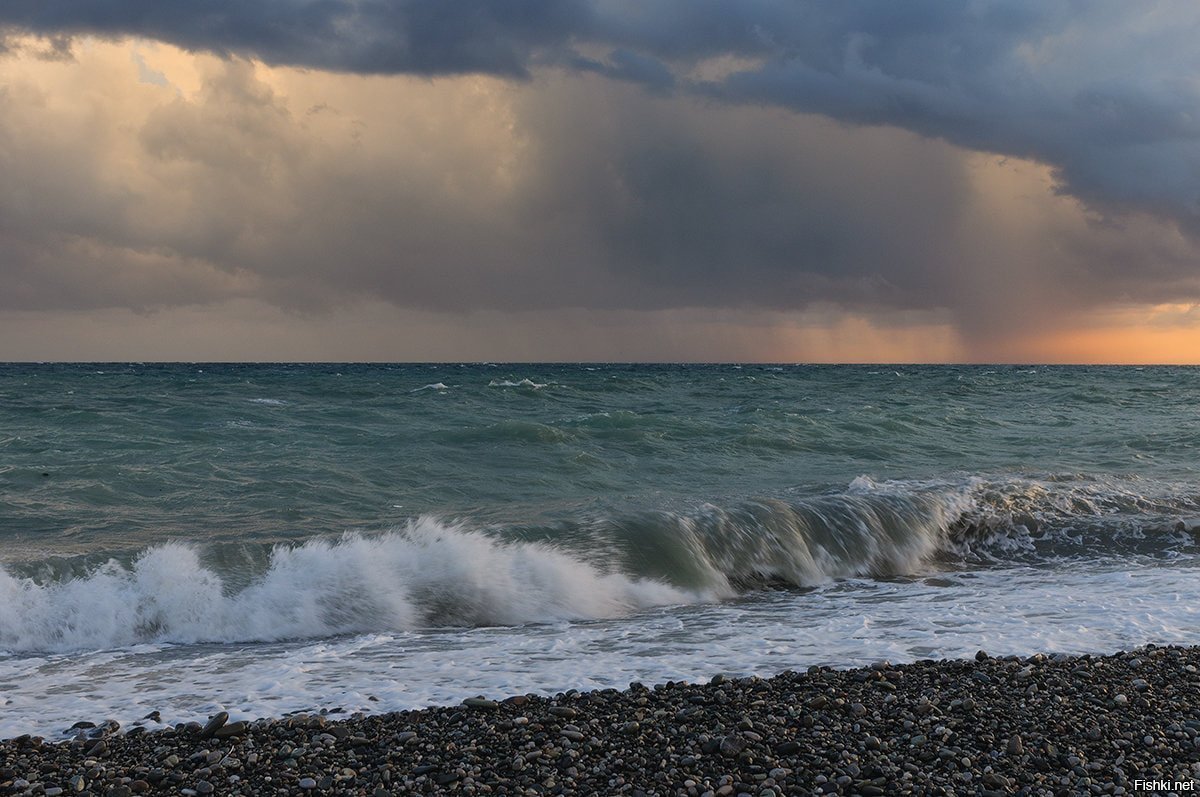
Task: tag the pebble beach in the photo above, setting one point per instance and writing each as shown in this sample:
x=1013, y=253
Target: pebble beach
x=1037, y=725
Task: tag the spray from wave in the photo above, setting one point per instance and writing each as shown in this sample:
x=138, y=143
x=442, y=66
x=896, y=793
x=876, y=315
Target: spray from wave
x=429, y=574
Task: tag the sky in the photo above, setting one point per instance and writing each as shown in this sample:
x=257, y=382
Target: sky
x=603, y=180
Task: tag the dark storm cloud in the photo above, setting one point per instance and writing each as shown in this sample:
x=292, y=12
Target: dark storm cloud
x=592, y=194
x=371, y=36
x=1107, y=92
x=706, y=190
x=627, y=65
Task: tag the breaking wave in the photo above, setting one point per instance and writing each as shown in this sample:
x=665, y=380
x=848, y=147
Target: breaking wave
x=434, y=573
x=429, y=574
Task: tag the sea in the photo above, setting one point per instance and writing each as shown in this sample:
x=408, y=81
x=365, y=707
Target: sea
x=266, y=539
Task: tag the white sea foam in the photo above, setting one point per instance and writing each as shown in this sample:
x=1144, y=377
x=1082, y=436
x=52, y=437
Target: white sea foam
x=523, y=383
x=427, y=575
x=853, y=622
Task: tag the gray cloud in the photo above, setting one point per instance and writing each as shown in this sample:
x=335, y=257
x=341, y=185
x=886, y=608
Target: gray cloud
x=1107, y=96
x=567, y=191
x=1106, y=92
x=369, y=36
x=824, y=160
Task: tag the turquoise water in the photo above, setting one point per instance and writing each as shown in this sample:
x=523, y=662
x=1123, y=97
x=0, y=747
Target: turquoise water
x=100, y=456
x=264, y=512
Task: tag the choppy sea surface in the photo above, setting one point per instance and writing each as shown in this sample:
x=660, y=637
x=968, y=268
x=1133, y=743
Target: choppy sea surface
x=262, y=539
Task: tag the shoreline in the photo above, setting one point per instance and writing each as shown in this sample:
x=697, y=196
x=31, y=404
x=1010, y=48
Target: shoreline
x=1090, y=724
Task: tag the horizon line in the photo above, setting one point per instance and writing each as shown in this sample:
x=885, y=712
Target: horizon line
x=781, y=363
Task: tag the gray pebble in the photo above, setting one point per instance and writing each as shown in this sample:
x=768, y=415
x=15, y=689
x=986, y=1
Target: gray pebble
x=213, y=724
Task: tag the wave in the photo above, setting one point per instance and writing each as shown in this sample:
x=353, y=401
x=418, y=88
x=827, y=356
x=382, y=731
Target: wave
x=435, y=573
x=428, y=574
x=1071, y=516
x=526, y=383
x=511, y=430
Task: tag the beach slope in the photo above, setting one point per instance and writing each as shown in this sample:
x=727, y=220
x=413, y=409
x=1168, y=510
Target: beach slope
x=1035, y=725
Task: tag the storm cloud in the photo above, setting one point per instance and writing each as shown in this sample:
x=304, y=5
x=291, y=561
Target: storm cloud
x=372, y=36
x=999, y=167
x=1106, y=92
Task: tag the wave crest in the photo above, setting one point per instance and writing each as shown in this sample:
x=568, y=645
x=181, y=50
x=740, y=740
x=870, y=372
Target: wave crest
x=432, y=573
x=428, y=574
